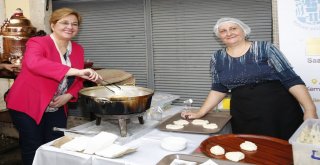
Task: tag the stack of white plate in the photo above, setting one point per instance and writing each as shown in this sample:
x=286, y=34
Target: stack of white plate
x=174, y=143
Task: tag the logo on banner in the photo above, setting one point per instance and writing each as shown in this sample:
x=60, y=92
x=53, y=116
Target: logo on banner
x=308, y=13
x=308, y=17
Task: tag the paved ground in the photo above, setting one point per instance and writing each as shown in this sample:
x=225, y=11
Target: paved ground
x=11, y=157
x=9, y=151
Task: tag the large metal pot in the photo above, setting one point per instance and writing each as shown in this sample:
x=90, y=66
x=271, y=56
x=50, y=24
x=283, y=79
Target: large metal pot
x=129, y=100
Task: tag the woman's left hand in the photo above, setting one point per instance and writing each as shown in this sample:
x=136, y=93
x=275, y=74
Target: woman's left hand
x=60, y=100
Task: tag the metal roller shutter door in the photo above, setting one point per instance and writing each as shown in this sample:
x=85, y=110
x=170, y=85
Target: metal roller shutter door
x=183, y=40
x=166, y=44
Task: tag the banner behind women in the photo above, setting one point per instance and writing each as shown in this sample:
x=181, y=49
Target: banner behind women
x=299, y=40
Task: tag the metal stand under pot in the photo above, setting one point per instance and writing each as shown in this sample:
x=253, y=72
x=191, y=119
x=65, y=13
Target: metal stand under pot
x=122, y=120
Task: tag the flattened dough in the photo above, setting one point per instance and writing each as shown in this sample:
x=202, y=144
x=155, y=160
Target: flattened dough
x=181, y=122
x=248, y=146
x=217, y=150
x=210, y=126
x=234, y=156
x=173, y=126
x=199, y=122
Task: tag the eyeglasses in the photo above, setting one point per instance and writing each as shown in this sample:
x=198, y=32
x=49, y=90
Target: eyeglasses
x=66, y=23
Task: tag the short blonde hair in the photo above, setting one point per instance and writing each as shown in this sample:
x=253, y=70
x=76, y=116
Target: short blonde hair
x=63, y=12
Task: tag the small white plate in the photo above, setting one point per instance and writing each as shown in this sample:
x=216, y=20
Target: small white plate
x=174, y=143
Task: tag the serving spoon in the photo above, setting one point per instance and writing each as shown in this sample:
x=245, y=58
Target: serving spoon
x=111, y=84
x=75, y=131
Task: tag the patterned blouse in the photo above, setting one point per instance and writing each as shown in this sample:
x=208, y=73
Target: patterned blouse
x=262, y=62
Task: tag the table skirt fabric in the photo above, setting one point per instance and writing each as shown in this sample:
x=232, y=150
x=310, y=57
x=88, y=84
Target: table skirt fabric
x=149, y=149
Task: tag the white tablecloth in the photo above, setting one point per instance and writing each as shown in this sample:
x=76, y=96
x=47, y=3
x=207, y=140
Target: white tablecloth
x=149, y=151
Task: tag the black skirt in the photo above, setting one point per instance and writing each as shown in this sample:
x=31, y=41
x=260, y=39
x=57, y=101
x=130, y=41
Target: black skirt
x=265, y=109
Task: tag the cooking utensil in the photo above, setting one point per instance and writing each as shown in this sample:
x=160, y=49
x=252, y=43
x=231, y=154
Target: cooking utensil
x=128, y=100
x=75, y=131
x=271, y=151
x=109, y=89
x=199, y=159
x=111, y=84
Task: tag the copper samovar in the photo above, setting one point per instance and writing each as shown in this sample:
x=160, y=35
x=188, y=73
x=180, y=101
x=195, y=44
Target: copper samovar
x=15, y=33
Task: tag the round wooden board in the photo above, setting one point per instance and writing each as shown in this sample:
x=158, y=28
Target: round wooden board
x=271, y=151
